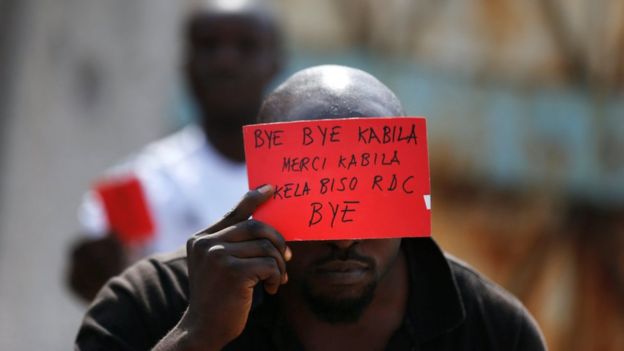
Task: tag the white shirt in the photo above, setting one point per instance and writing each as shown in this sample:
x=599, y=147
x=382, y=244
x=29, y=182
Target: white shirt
x=188, y=185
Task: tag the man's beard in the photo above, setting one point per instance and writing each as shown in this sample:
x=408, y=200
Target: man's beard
x=340, y=310
x=337, y=310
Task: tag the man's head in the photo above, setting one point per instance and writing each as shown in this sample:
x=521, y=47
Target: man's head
x=337, y=279
x=233, y=50
x=329, y=92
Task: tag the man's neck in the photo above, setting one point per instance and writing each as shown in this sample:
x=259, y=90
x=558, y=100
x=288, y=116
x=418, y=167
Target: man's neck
x=381, y=319
x=227, y=141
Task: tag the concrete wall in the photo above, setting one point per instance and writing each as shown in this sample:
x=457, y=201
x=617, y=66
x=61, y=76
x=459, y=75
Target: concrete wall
x=92, y=82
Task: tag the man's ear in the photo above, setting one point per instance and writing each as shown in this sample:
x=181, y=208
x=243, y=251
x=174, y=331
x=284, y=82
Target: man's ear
x=278, y=62
x=189, y=79
x=278, y=56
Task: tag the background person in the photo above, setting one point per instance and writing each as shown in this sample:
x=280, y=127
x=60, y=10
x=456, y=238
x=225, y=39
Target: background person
x=188, y=179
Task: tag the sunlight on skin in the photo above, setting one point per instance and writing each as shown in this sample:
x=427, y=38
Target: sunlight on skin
x=231, y=5
x=227, y=6
x=335, y=78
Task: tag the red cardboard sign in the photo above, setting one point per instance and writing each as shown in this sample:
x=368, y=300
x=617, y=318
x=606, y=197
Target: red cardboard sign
x=353, y=178
x=126, y=209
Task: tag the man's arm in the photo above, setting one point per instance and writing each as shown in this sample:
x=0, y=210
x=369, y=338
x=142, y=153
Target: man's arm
x=225, y=263
x=98, y=254
x=92, y=263
x=148, y=302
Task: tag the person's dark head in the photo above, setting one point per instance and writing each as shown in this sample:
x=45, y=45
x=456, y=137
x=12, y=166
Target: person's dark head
x=336, y=278
x=233, y=50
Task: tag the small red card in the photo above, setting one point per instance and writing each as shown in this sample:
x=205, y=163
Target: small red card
x=126, y=209
x=353, y=178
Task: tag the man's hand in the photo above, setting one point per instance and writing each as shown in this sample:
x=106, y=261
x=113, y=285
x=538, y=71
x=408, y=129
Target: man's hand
x=225, y=263
x=92, y=263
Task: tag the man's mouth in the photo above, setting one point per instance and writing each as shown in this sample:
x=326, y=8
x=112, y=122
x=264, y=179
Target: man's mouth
x=338, y=272
x=342, y=266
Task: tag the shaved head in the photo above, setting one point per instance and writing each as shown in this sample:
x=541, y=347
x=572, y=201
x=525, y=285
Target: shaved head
x=329, y=92
x=263, y=11
x=334, y=92
x=233, y=6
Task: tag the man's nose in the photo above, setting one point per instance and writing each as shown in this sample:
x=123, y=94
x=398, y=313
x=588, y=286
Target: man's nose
x=344, y=244
x=225, y=57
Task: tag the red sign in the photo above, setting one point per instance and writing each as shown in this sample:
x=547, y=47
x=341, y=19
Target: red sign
x=353, y=178
x=126, y=209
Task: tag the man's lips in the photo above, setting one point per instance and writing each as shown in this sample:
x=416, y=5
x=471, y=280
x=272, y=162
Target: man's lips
x=339, y=272
x=342, y=266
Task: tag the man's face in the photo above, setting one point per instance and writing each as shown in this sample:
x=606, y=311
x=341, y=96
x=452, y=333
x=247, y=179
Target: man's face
x=230, y=59
x=338, y=278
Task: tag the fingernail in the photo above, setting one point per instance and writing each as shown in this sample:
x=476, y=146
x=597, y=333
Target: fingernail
x=285, y=280
x=287, y=254
x=266, y=188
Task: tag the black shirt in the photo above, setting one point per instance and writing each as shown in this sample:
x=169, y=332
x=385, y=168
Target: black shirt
x=450, y=307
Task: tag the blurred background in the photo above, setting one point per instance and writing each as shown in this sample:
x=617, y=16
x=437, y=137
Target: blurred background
x=525, y=103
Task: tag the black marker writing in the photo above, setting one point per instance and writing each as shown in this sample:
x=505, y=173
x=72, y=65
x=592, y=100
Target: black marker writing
x=326, y=135
x=340, y=185
x=386, y=134
x=267, y=137
x=300, y=164
x=290, y=190
x=384, y=184
x=367, y=159
x=337, y=210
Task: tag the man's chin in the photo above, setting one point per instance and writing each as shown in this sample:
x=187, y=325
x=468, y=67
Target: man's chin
x=341, y=306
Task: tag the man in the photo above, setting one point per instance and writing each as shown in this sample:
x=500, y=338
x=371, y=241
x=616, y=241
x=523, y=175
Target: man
x=239, y=286
x=233, y=50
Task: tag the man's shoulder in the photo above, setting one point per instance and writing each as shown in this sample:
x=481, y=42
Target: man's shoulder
x=163, y=275
x=171, y=265
x=168, y=151
x=491, y=309
x=160, y=155
x=174, y=260
x=476, y=287
x=137, y=307
x=176, y=147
